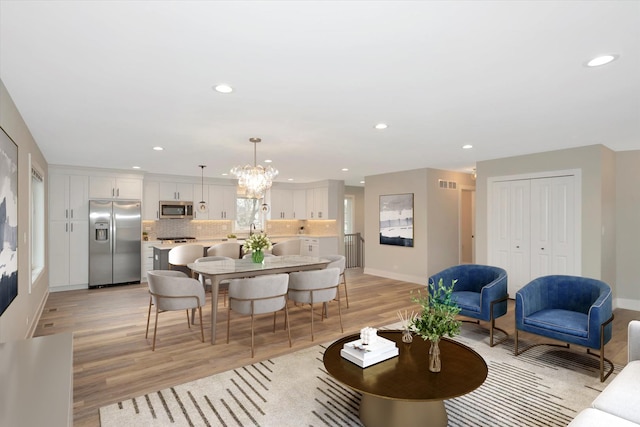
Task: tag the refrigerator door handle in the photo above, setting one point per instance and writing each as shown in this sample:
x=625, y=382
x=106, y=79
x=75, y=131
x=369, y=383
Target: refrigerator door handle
x=112, y=244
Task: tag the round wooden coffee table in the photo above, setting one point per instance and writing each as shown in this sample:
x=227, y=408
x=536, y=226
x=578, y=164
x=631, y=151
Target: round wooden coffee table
x=402, y=391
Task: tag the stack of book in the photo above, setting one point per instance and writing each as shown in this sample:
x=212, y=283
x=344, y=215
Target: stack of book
x=365, y=355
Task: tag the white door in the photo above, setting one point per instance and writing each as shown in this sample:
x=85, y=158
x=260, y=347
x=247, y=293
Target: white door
x=552, y=231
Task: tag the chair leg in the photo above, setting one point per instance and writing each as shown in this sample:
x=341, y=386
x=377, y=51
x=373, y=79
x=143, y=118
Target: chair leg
x=312, y=321
x=340, y=310
x=252, y=352
x=274, y=322
x=188, y=320
x=228, y=322
x=146, y=335
x=344, y=281
x=155, y=329
x=286, y=321
x=201, y=327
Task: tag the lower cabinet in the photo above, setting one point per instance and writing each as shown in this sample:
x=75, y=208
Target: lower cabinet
x=68, y=254
x=146, y=258
x=319, y=246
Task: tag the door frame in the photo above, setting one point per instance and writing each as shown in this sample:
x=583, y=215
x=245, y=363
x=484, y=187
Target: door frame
x=576, y=173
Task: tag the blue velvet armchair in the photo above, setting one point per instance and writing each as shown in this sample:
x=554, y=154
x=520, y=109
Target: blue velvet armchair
x=480, y=292
x=571, y=309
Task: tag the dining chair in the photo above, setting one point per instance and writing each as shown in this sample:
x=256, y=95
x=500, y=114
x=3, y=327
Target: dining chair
x=259, y=295
x=315, y=286
x=182, y=255
x=339, y=261
x=171, y=291
x=223, y=287
x=227, y=249
x=287, y=247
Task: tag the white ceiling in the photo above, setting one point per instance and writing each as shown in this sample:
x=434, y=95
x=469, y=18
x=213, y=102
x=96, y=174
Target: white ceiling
x=99, y=83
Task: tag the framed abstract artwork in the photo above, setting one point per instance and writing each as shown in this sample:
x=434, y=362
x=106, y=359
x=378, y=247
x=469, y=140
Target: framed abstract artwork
x=8, y=221
x=396, y=219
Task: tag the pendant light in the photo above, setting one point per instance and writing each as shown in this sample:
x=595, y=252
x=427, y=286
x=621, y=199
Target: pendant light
x=254, y=180
x=202, y=206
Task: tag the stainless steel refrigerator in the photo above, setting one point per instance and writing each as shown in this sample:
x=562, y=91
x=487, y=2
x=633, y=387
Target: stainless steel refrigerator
x=114, y=242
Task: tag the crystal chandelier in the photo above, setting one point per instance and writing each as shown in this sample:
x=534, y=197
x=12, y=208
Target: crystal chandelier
x=254, y=180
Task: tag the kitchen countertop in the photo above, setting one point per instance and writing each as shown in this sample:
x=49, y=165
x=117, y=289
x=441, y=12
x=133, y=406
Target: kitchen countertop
x=214, y=241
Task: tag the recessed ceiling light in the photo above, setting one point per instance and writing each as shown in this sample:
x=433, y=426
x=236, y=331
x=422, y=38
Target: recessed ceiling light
x=381, y=126
x=361, y=182
x=224, y=174
x=601, y=60
x=268, y=161
x=467, y=146
x=289, y=179
x=136, y=167
x=158, y=148
x=223, y=88
x=345, y=169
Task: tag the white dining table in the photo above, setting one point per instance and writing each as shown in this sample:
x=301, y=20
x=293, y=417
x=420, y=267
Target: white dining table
x=217, y=271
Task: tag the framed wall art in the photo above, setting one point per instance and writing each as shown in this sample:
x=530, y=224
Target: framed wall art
x=8, y=221
x=396, y=219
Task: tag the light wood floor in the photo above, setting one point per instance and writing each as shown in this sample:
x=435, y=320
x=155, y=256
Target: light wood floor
x=113, y=360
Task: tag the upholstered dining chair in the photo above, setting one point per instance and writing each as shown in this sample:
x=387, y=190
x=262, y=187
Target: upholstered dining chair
x=170, y=291
x=258, y=295
x=223, y=287
x=227, y=249
x=287, y=247
x=480, y=292
x=571, y=309
x=339, y=261
x=315, y=286
x=182, y=255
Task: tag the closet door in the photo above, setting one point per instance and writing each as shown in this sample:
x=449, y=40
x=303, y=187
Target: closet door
x=511, y=231
x=552, y=226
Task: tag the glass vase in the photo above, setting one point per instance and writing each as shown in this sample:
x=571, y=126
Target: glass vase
x=407, y=336
x=435, y=364
x=257, y=256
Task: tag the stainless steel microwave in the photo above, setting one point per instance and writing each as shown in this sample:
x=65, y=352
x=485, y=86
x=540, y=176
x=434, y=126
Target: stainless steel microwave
x=174, y=209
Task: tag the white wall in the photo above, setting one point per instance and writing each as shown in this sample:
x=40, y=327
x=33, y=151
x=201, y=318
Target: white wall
x=628, y=229
x=20, y=318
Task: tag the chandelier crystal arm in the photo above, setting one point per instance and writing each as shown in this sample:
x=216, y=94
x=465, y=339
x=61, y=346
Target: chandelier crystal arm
x=254, y=180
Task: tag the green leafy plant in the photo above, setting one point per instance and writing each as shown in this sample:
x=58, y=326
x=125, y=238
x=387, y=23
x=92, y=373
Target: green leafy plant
x=439, y=311
x=257, y=242
x=231, y=236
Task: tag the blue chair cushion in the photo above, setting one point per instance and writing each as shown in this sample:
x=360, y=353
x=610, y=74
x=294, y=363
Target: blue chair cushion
x=467, y=301
x=563, y=321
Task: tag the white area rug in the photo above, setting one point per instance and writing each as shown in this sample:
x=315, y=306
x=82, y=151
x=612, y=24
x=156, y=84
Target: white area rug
x=545, y=386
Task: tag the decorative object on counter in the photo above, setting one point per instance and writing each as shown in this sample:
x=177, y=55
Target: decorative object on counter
x=254, y=180
x=438, y=318
x=145, y=236
x=232, y=237
x=407, y=320
x=202, y=205
x=301, y=230
x=257, y=244
x=368, y=335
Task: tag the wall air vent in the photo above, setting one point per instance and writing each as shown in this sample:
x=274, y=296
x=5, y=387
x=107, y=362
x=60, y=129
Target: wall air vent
x=447, y=185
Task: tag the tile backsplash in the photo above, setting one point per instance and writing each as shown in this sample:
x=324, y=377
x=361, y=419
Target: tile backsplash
x=203, y=229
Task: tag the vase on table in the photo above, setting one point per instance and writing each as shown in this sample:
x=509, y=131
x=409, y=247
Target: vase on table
x=257, y=256
x=435, y=364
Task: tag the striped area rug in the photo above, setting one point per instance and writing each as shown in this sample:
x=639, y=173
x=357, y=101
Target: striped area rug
x=545, y=386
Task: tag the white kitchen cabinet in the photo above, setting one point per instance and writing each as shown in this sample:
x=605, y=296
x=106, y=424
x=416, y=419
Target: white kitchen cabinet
x=299, y=204
x=281, y=204
x=68, y=254
x=151, y=201
x=146, y=258
x=68, y=197
x=176, y=191
x=222, y=202
x=318, y=206
x=109, y=187
x=318, y=246
x=68, y=230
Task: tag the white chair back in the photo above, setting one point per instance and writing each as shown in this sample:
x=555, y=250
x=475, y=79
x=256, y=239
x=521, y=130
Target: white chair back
x=185, y=254
x=265, y=294
x=337, y=261
x=174, y=290
x=227, y=249
x=314, y=286
x=287, y=247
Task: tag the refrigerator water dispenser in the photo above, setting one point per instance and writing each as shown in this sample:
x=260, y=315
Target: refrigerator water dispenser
x=102, y=231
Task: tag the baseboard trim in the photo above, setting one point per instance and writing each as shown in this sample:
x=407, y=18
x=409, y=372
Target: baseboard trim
x=627, y=304
x=397, y=276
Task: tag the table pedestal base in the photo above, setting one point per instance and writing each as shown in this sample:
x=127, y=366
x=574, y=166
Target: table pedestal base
x=379, y=412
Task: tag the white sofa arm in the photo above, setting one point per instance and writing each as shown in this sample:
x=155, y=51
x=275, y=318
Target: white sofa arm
x=634, y=340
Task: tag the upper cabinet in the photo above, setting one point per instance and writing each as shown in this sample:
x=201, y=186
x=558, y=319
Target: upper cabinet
x=288, y=204
x=108, y=187
x=222, y=202
x=151, y=201
x=176, y=191
x=68, y=197
x=318, y=203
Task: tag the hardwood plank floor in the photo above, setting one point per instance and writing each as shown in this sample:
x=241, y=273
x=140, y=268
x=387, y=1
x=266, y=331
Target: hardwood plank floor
x=113, y=360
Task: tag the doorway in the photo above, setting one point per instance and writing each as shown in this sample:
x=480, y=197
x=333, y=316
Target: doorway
x=467, y=226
